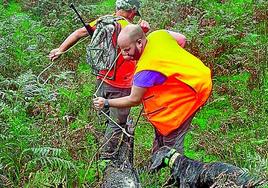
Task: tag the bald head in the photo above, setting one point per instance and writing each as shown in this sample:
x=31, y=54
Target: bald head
x=130, y=34
x=131, y=41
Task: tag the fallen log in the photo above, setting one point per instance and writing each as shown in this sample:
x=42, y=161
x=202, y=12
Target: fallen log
x=120, y=173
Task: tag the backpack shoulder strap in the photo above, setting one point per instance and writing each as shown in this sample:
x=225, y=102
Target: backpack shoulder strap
x=112, y=17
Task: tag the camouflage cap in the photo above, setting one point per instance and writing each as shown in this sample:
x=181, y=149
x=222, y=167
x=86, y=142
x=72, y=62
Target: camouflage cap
x=128, y=5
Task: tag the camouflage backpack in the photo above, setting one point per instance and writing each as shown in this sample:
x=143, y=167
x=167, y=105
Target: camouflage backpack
x=103, y=49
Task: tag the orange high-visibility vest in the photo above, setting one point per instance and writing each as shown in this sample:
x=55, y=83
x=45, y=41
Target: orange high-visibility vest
x=186, y=89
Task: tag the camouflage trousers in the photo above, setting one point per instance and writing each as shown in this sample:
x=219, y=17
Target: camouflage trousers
x=113, y=134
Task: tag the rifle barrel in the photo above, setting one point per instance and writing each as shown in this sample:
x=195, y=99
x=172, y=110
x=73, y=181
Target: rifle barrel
x=87, y=26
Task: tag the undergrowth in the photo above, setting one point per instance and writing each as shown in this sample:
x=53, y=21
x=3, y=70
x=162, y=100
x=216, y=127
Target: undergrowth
x=49, y=130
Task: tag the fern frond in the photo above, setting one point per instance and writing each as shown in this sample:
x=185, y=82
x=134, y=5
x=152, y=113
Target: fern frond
x=45, y=151
x=53, y=162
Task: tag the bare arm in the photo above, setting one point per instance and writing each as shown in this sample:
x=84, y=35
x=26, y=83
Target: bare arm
x=180, y=38
x=73, y=38
x=70, y=41
x=133, y=99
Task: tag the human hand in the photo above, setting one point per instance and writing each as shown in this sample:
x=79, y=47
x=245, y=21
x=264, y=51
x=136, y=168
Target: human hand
x=144, y=26
x=98, y=103
x=54, y=54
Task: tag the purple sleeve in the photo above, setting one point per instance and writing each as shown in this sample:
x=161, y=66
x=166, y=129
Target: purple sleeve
x=148, y=78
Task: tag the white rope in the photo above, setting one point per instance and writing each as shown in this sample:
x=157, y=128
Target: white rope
x=95, y=95
x=60, y=53
x=105, y=76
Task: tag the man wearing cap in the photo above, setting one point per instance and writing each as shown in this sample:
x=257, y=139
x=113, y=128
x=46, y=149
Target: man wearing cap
x=171, y=83
x=120, y=86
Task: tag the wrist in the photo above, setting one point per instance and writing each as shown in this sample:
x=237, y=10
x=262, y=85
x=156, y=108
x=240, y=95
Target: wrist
x=106, y=104
x=59, y=51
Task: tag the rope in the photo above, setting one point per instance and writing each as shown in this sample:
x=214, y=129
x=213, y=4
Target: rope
x=139, y=116
x=51, y=64
x=97, y=90
x=95, y=94
x=105, y=76
x=74, y=45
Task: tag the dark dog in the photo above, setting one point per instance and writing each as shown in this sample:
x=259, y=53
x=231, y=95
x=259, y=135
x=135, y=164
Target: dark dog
x=189, y=173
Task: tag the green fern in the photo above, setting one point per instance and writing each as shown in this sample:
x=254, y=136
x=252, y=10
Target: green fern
x=48, y=166
x=47, y=156
x=45, y=151
x=53, y=162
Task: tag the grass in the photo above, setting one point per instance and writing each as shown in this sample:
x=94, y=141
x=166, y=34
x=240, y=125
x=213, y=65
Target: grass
x=52, y=113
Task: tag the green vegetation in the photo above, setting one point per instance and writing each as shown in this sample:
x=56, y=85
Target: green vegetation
x=49, y=131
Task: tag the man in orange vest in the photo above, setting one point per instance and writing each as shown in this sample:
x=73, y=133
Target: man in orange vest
x=171, y=83
x=121, y=84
